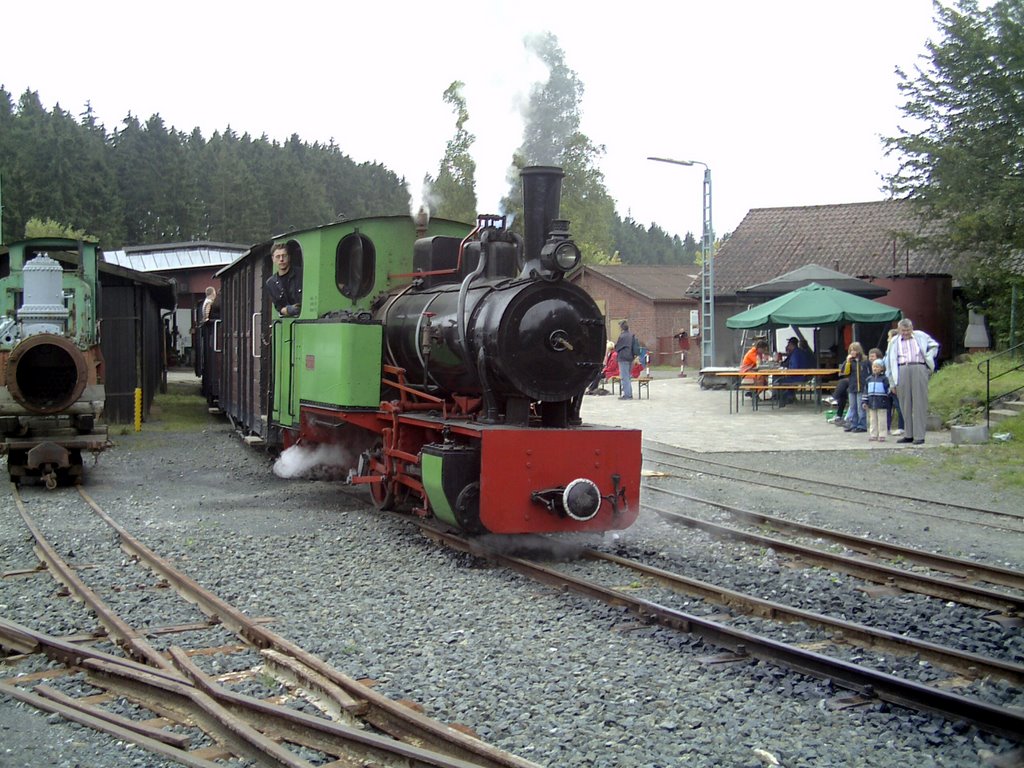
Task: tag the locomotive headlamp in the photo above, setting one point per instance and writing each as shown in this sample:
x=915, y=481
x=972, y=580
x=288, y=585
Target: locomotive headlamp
x=581, y=499
x=567, y=256
x=559, y=256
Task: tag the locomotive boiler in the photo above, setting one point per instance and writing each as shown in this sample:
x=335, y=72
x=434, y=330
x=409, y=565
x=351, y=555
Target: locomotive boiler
x=446, y=366
x=51, y=369
x=487, y=320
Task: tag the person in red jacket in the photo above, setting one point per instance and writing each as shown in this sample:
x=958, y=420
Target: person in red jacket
x=611, y=368
x=684, y=346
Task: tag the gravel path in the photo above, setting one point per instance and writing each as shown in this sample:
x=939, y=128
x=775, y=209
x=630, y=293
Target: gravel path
x=549, y=676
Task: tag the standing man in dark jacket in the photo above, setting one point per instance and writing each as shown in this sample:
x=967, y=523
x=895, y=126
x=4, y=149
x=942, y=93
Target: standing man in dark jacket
x=626, y=347
x=284, y=287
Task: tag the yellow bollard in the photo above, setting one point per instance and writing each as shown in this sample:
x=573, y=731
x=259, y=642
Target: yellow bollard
x=138, y=409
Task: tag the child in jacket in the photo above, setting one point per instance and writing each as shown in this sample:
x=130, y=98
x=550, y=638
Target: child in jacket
x=877, y=397
x=857, y=369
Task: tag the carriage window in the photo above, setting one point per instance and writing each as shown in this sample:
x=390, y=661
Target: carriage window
x=354, y=265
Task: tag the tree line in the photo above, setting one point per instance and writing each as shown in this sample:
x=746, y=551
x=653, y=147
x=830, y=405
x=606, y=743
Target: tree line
x=145, y=183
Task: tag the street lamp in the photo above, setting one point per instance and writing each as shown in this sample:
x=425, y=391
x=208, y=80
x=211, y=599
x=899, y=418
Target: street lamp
x=707, y=273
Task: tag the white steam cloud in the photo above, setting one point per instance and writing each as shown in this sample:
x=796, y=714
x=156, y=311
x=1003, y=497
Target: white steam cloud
x=321, y=462
x=426, y=199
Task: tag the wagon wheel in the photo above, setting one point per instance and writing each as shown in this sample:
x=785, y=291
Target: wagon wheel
x=16, y=461
x=71, y=474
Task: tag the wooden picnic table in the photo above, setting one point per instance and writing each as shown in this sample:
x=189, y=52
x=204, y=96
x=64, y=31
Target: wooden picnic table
x=814, y=382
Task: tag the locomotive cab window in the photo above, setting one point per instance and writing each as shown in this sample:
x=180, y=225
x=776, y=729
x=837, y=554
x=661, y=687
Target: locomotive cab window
x=294, y=256
x=354, y=264
x=295, y=252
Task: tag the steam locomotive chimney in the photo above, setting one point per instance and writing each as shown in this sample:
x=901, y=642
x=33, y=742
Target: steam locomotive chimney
x=422, y=219
x=542, y=197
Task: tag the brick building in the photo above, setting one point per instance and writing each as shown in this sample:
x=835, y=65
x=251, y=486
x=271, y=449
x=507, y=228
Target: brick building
x=652, y=298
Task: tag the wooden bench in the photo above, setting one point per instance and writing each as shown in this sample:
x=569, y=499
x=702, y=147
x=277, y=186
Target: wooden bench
x=642, y=384
x=802, y=388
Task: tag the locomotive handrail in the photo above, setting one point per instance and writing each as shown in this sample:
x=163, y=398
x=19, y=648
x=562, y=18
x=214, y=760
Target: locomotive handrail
x=216, y=324
x=989, y=378
x=423, y=360
x=291, y=370
x=398, y=382
x=460, y=317
x=257, y=321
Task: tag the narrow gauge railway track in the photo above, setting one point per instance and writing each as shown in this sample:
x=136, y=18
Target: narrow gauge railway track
x=743, y=644
x=172, y=690
x=1012, y=605
x=959, y=568
x=681, y=459
x=961, y=662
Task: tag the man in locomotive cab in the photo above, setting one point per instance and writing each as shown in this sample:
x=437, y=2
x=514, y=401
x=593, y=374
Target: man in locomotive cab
x=285, y=286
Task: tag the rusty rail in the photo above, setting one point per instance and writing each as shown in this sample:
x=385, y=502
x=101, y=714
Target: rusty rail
x=966, y=594
x=966, y=569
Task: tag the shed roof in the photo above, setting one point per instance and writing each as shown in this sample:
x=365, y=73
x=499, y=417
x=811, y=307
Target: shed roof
x=860, y=239
x=654, y=282
x=174, y=256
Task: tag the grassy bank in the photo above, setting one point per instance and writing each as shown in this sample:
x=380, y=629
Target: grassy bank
x=957, y=394
x=957, y=390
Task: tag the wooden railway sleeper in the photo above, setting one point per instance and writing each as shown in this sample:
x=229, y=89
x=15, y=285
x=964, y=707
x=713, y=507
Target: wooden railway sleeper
x=170, y=695
x=83, y=717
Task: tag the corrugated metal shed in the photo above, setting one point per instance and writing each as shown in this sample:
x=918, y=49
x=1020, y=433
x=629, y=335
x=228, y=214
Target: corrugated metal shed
x=174, y=256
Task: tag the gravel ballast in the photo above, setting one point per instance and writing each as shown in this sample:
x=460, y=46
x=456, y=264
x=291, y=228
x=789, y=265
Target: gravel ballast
x=549, y=676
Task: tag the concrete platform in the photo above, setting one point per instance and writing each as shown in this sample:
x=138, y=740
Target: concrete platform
x=680, y=413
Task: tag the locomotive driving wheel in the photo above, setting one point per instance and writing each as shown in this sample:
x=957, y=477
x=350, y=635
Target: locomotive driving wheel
x=383, y=493
x=467, y=509
x=388, y=494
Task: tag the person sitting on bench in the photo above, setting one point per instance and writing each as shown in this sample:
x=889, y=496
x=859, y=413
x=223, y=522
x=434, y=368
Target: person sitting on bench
x=797, y=356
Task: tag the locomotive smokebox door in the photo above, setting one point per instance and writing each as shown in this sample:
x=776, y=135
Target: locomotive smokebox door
x=451, y=478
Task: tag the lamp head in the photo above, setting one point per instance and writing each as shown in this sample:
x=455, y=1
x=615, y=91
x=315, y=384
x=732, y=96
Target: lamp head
x=670, y=160
x=559, y=254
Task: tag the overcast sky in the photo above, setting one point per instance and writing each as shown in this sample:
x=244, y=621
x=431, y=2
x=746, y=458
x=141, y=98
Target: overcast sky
x=784, y=100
